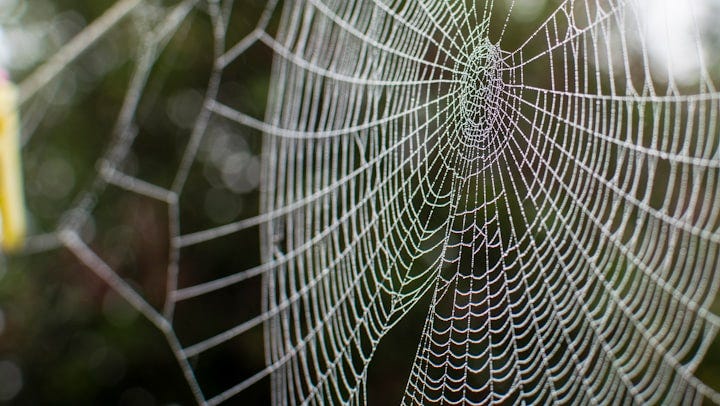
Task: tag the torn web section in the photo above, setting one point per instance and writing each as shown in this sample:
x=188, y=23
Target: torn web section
x=589, y=141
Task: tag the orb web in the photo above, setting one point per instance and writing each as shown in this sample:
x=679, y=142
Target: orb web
x=553, y=193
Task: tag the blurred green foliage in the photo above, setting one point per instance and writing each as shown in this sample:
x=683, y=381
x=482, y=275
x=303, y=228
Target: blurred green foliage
x=65, y=338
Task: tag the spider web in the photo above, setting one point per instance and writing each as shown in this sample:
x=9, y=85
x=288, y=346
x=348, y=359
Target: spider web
x=556, y=198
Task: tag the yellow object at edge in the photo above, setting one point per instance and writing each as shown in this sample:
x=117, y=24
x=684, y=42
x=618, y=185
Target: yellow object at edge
x=12, y=206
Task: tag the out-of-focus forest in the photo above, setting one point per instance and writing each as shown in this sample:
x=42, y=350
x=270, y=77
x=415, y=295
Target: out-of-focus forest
x=65, y=336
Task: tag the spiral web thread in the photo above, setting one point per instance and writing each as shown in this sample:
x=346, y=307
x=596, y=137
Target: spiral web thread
x=558, y=199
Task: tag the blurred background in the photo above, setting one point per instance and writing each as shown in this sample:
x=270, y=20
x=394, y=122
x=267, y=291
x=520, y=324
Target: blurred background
x=65, y=337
